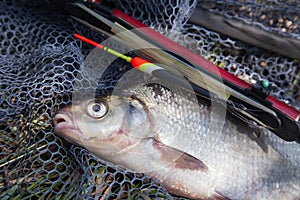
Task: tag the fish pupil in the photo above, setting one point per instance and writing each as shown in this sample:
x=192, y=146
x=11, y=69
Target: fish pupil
x=96, y=108
x=131, y=109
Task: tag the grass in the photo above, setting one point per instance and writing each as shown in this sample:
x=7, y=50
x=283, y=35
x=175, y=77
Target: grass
x=27, y=157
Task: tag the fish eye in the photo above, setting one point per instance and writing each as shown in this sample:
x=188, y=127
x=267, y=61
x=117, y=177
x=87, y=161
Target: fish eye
x=96, y=109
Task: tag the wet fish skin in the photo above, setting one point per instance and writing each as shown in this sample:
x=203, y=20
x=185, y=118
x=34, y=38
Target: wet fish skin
x=151, y=129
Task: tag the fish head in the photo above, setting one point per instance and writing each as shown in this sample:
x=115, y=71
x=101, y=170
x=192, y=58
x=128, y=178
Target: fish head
x=104, y=125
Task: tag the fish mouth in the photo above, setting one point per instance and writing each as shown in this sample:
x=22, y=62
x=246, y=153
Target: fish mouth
x=64, y=124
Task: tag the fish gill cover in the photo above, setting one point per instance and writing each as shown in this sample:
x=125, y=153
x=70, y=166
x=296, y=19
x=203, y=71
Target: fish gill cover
x=39, y=63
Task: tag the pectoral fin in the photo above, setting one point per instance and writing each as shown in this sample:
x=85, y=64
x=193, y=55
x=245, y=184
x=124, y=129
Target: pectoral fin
x=219, y=196
x=178, y=158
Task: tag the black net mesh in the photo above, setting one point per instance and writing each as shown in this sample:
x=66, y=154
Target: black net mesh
x=40, y=59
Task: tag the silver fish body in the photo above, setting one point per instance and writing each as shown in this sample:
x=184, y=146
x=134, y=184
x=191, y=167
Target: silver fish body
x=191, y=150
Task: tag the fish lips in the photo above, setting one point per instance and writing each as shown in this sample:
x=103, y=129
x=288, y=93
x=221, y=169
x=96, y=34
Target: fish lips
x=66, y=127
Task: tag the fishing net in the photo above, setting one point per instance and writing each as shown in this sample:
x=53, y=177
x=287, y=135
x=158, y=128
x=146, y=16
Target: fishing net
x=40, y=61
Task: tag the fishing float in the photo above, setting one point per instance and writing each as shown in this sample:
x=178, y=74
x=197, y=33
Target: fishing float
x=136, y=62
x=150, y=68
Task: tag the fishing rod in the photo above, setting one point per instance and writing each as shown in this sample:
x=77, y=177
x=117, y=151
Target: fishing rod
x=252, y=101
x=195, y=76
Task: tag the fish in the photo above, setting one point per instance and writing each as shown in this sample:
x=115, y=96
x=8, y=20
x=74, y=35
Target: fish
x=193, y=147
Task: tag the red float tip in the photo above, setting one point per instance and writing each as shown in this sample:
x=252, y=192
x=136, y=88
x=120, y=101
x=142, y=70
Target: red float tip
x=84, y=39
